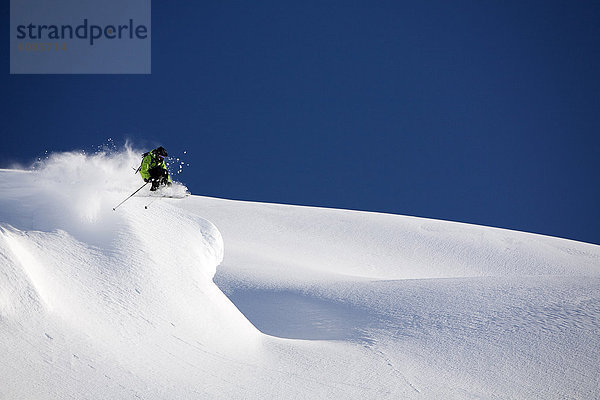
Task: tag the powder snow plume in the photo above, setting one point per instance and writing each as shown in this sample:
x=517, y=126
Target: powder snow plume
x=76, y=191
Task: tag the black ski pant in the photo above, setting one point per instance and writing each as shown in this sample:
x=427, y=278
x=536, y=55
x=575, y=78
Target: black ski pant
x=158, y=176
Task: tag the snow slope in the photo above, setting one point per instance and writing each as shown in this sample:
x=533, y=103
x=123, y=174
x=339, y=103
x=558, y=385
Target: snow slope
x=210, y=298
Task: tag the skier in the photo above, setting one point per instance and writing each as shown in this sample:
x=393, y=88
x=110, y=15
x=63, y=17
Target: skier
x=153, y=168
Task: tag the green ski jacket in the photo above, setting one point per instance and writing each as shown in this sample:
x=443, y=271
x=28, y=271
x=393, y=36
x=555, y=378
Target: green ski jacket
x=151, y=161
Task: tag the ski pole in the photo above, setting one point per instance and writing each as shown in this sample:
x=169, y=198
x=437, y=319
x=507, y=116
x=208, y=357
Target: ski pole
x=130, y=196
x=152, y=201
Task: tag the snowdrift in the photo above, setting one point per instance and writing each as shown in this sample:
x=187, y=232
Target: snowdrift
x=308, y=302
x=85, y=289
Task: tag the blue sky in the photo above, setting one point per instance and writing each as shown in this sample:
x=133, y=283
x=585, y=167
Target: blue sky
x=480, y=112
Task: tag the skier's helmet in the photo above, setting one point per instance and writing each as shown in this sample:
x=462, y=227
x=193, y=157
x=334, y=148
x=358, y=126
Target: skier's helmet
x=160, y=152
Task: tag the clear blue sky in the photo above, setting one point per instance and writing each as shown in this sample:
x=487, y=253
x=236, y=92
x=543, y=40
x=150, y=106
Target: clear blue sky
x=484, y=112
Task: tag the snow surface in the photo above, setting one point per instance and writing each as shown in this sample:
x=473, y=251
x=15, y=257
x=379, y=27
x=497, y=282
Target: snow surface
x=209, y=298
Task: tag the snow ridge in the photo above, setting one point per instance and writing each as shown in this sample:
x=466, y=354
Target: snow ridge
x=105, y=284
x=320, y=303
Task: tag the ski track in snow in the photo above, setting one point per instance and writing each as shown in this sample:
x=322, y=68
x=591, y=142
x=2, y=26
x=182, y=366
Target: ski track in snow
x=211, y=298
